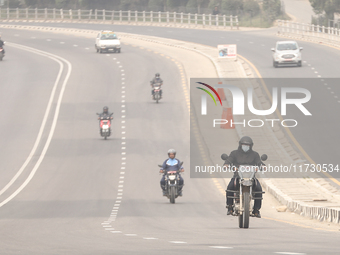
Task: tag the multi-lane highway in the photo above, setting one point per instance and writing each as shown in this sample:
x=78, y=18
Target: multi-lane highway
x=320, y=62
x=90, y=196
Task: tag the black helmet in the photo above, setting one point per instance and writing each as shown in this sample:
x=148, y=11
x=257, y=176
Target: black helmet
x=173, y=151
x=105, y=109
x=246, y=140
x=157, y=75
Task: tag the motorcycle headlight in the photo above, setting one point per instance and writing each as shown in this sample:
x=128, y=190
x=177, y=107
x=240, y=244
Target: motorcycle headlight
x=172, y=177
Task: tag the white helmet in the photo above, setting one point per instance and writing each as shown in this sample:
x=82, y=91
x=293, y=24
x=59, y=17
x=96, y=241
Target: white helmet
x=171, y=151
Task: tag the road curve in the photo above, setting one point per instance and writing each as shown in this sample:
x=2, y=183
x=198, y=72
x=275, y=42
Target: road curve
x=82, y=177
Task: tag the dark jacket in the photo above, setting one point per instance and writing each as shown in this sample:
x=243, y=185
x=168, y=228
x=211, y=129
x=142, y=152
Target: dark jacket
x=105, y=115
x=239, y=157
x=156, y=80
x=2, y=43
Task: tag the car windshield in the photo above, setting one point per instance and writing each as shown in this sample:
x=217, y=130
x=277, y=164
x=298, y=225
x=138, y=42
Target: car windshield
x=108, y=36
x=287, y=46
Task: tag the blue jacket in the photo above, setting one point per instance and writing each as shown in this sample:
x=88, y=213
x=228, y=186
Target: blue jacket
x=167, y=166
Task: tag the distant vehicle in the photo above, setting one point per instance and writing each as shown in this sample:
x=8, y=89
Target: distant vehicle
x=107, y=41
x=105, y=125
x=157, y=92
x=287, y=53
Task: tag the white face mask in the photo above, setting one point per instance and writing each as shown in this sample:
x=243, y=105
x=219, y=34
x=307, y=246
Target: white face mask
x=245, y=148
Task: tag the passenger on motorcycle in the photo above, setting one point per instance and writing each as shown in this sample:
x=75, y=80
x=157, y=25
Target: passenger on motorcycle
x=172, y=164
x=244, y=155
x=156, y=80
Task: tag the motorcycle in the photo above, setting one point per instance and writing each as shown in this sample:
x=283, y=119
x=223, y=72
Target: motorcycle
x=157, y=92
x=105, y=125
x=2, y=55
x=171, y=183
x=243, y=198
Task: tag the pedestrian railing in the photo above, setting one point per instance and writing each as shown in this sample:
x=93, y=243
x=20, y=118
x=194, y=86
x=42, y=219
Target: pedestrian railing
x=322, y=34
x=113, y=17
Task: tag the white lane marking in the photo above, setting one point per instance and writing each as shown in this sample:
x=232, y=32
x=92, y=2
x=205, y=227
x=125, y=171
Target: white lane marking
x=150, y=238
x=122, y=172
x=120, y=190
x=115, y=232
x=48, y=40
x=33, y=37
x=123, y=101
x=290, y=253
x=114, y=58
x=123, y=116
x=221, y=247
x=123, y=74
x=54, y=122
x=108, y=55
x=109, y=229
x=179, y=242
x=130, y=234
x=75, y=45
x=62, y=42
x=119, y=198
x=120, y=66
x=319, y=76
x=87, y=48
x=43, y=124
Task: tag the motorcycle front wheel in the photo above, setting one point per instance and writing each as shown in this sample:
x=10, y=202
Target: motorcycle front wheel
x=172, y=195
x=246, y=212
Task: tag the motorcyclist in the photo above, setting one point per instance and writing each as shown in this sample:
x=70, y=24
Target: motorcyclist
x=172, y=164
x=244, y=155
x=2, y=43
x=156, y=80
x=105, y=114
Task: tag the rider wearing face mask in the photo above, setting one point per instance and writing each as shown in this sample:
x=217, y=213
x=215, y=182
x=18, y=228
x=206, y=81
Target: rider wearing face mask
x=244, y=155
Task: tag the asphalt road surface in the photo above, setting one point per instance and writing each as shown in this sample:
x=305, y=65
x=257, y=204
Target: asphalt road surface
x=90, y=196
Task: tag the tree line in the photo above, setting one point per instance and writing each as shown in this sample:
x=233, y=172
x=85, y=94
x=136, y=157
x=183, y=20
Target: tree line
x=227, y=7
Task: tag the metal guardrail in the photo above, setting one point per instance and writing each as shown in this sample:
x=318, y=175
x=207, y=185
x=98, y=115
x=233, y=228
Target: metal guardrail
x=133, y=17
x=327, y=35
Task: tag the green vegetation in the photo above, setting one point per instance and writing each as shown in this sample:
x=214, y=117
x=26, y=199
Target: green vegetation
x=325, y=10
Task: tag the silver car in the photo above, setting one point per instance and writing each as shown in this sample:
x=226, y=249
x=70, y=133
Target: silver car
x=287, y=53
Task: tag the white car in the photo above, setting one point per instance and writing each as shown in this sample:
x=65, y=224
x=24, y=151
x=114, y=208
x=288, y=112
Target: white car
x=287, y=53
x=107, y=41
